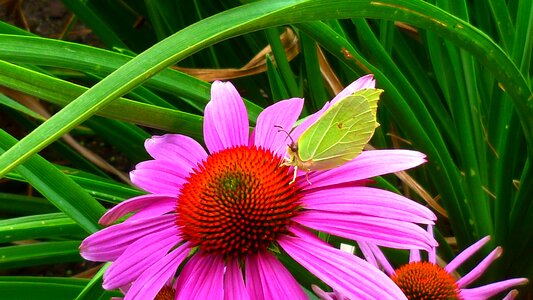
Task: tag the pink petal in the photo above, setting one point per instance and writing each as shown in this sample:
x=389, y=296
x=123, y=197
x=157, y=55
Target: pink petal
x=124, y=289
x=432, y=255
x=267, y=278
x=489, y=290
x=374, y=256
x=322, y=295
x=154, y=210
x=480, y=268
x=511, y=295
x=234, y=287
x=368, y=201
x=148, y=285
x=282, y=114
x=132, y=205
x=176, y=148
x=226, y=120
x=414, y=255
x=138, y=257
x=368, y=164
x=364, y=82
x=251, y=139
x=109, y=243
x=202, y=278
x=345, y=273
x=380, y=231
x=368, y=254
x=160, y=177
x=466, y=254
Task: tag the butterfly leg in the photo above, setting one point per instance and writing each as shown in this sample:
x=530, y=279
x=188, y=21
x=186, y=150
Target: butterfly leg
x=296, y=172
x=294, y=176
x=307, y=176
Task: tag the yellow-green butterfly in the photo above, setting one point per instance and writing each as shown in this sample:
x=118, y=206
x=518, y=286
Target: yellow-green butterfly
x=338, y=136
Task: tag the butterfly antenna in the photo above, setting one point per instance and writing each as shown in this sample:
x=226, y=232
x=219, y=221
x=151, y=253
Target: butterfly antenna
x=281, y=129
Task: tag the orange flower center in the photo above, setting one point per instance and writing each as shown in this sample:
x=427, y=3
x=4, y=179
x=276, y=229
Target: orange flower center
x=426, y=281
x=237, y=202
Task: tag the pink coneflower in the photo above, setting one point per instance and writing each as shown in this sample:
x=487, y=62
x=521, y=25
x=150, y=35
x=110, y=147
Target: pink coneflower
x=223, y=218
x=426, y=280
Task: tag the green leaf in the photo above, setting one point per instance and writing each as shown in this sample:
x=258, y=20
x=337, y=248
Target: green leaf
x=98, y=187
x=5, y=100
x=62, y=92
x=38, y=226
x=83, y=58
x=39, y=254
x=95, y=22
x=281, y=61
x=44, y=288
x=12, y=204
x=94, y=290
x=58, y=188
x=277, y=87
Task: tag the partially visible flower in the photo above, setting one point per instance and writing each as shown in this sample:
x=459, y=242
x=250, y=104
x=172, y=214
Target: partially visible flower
x=221, y=218
x=426, y=280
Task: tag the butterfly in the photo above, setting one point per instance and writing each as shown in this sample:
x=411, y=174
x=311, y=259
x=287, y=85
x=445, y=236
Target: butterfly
x=338, y=135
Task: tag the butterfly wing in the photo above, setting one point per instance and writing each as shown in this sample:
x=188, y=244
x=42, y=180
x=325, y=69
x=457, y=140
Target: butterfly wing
x=341, y=133
x=372, y=95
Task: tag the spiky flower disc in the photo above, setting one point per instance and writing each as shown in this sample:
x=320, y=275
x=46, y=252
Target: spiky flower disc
x=423, y=280
x=237, y=202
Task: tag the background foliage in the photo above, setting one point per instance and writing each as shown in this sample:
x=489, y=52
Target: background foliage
x=456, y=75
